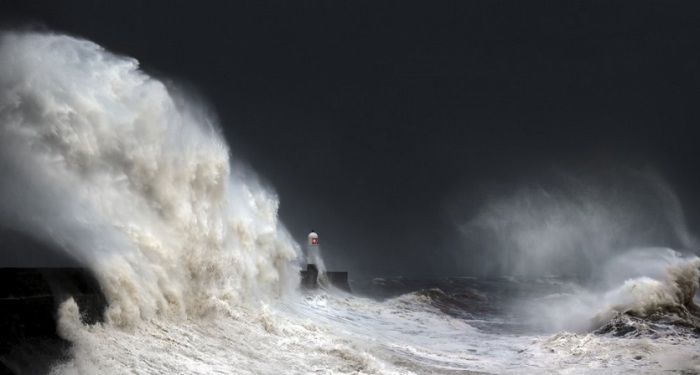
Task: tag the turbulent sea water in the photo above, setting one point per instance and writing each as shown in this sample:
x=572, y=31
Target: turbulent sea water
x=134, y=181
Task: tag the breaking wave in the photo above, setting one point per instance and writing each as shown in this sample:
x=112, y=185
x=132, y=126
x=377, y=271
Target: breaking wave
x=647, y=306
x=133, y=181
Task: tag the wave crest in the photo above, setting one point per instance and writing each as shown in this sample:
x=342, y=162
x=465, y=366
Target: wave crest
x=133, y=180
x=644, y=304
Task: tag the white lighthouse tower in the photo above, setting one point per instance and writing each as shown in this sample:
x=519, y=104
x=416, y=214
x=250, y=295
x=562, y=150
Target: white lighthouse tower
x=312, y=251
x=313, y=260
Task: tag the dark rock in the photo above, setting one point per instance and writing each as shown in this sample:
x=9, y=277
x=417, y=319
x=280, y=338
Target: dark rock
x=29, y=298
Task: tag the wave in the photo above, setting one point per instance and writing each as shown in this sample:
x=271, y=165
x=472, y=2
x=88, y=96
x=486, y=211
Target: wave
x=465, y=304
x=655, y=289
x=135, y=181
x=649, y=307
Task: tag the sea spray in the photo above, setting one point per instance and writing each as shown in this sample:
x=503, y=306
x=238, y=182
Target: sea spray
x=670, y=297
x=666, y=295
x=111, y=166
x=608, y=230
x=572, y=223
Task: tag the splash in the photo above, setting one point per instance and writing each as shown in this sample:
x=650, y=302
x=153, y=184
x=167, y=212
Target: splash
x=662, y=290
x=573, y=223
x=642, y=300
x=133, y=180
x=609, y=233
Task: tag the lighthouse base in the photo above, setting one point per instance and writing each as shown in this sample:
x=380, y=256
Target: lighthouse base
x=311, y=278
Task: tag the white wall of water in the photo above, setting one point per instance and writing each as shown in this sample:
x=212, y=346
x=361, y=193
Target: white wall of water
x=106, y=162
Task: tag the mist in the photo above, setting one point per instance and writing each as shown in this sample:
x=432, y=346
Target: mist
x=613, y=238
x=573, y=222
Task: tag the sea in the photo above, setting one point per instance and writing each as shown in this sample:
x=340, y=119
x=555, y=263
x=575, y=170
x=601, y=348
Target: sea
x=131, y=177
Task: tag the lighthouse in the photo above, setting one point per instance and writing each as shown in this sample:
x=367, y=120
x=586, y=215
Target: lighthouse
x=310, y=278
x=312, y=251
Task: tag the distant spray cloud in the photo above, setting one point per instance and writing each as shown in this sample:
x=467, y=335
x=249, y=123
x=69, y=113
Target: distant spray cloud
x=620, y=231
x=570, y=223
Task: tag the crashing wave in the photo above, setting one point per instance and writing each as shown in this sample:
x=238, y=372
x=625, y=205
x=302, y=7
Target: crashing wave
x=134, y=181
x=655, y=308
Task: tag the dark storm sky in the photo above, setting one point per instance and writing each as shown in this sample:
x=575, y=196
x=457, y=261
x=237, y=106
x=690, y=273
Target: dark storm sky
x=369, y=117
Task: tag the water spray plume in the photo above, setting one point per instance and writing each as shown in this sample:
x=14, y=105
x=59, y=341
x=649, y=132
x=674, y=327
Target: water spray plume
x=573, y=225
x=612, y=232
x=112, y=166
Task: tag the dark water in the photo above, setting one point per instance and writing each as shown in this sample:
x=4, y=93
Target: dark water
x=510, y=305
x=490, y=304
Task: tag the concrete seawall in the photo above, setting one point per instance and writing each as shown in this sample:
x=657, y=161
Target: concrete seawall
x=29, y=298
x=310, y=279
